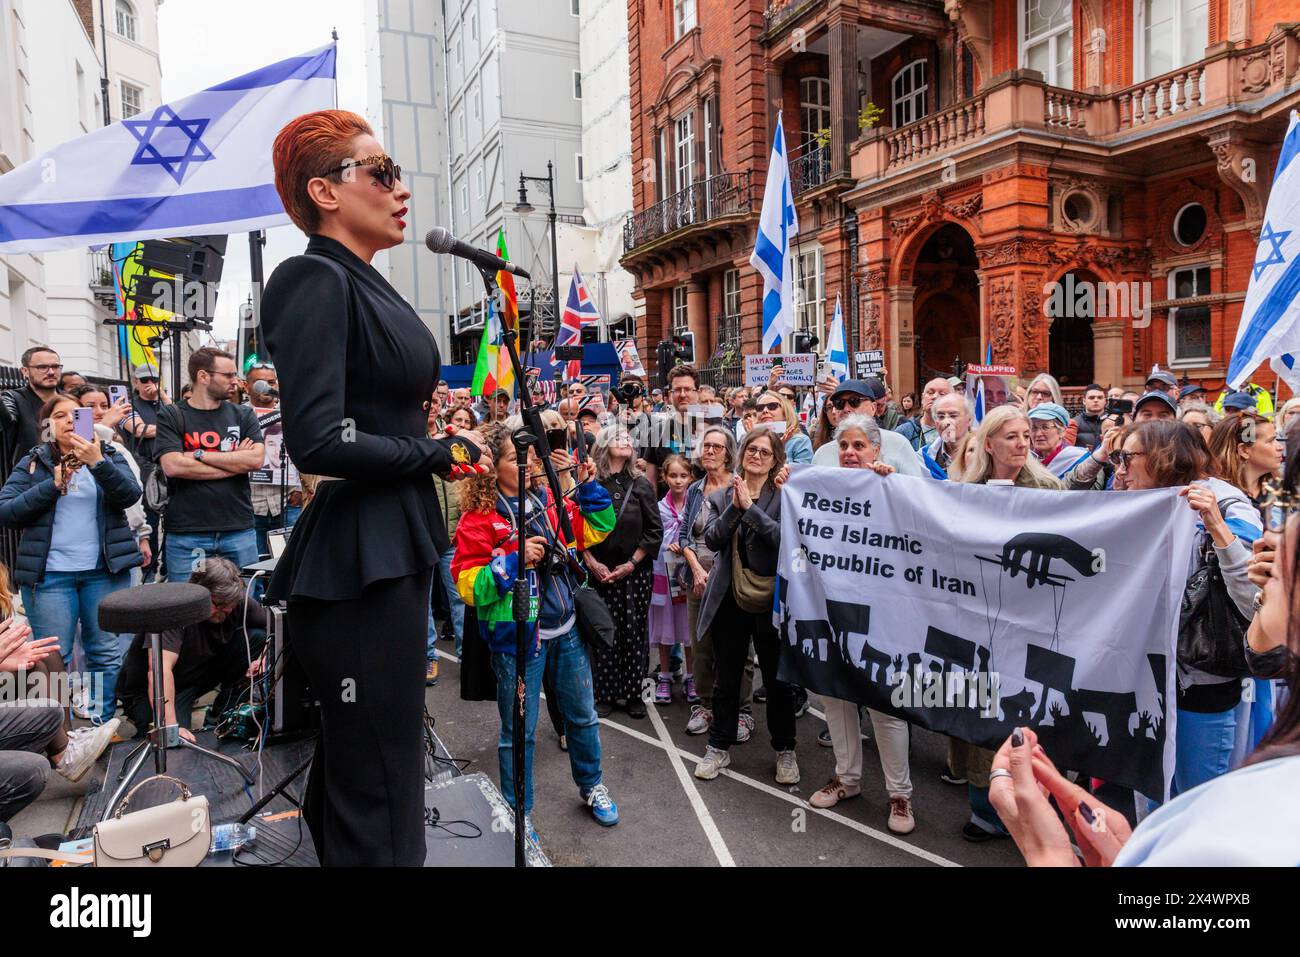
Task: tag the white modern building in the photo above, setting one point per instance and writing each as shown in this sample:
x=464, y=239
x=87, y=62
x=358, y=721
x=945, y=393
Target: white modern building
x=605, y=162
x=407, y=105
x=22, y=278
x=505, y=77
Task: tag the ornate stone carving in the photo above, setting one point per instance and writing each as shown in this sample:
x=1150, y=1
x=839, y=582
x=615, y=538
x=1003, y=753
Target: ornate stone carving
x=1015, y=251
x=874, y=280
x=1240, y=166
x=1002, y=314
x=967, y=207
x=1255, y=73
x=933, y=209
x=870, y=325
x=1031, y=327
x=1238, y=19
x=903, y=225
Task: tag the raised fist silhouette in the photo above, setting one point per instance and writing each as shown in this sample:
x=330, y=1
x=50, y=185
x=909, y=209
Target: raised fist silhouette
x=1039, y=548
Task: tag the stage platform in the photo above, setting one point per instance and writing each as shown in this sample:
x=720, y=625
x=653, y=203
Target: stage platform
x=473, y=825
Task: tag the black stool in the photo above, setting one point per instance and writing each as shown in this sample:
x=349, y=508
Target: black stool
x=152, y=609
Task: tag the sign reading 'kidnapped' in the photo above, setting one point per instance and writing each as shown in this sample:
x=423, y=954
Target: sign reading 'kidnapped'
x=975, y=609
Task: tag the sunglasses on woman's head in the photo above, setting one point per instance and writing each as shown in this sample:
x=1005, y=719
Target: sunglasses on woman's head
x=385, y=171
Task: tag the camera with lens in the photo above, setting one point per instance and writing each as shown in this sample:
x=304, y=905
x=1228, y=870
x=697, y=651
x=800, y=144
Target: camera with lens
x=1120, y=407
x=629, y=392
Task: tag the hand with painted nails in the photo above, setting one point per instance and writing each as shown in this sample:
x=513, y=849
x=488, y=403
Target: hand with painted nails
x=1022, y=804
x=1099, y=831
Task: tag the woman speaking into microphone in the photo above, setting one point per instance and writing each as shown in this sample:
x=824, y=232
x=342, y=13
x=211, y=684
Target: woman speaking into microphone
x=356, y=366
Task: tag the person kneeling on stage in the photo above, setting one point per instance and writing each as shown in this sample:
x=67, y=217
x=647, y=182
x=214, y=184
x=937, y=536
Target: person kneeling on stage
x=211, y=655
x=485, y=568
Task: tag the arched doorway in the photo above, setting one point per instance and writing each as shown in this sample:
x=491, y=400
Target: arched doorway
x=947, y=312
x=1070, y=337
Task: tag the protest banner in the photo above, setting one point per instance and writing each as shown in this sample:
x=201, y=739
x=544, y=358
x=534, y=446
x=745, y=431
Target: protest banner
x=800, y=368
x=974, y=609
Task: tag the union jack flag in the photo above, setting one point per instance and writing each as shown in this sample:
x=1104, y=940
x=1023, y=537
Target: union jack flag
x=579, y=310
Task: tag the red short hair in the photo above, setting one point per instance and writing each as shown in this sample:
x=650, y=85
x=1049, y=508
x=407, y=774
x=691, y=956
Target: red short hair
x=306, y=147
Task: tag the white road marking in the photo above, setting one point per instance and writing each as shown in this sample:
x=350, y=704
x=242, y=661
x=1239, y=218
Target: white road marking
x=668, y=745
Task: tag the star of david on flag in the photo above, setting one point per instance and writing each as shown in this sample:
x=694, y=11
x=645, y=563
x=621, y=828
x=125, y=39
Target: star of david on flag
x=197, y=165
x=1269, y=330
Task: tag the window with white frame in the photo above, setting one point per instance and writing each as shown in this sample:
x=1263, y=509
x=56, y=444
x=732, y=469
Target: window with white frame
x=683, y=17
x=479, y=182
x=464, y=197
x=458, y=52
x=125, y=19
x=577, y=85
x=474, y=102
x=1169, y=34
x=473, y=25
x=464, y=130
x=681, y=321
x=731, y=293
x=1047, y=40
x=811, y=288
x=132, y=100
x=911, y=91
x=1189, y=326
x=573, y=7
x=710, y=121
x=684, y=149
x=577, y=167
x=814, y=108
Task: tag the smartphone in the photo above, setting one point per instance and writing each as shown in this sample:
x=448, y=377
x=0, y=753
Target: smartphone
x=116, y=393
x=83, y=423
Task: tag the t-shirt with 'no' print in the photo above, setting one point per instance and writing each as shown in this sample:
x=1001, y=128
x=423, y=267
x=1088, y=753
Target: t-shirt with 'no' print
x=207, y=505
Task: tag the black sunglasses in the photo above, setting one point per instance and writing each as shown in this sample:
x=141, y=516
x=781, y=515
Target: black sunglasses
x=848, y=402
x=385, y=172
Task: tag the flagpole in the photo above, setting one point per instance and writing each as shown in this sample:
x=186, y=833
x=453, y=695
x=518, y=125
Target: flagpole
x=334, y=35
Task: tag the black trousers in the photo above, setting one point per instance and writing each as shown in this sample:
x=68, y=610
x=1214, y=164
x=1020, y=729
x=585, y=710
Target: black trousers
x=365, y=659
x=732, y=631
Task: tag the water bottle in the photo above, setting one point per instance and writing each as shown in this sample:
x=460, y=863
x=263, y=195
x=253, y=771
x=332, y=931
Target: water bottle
x=231, y=837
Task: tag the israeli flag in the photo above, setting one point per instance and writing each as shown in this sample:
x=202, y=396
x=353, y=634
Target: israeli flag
x=777, y=223
x=979, y=399
x=837, y=352
x=198, y=165
x=1270, y=320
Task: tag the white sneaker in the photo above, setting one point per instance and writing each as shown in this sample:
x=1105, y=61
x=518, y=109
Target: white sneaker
x=715, y=759
x=85, y=745
x=744, y=727
x=787, y=768
x=81, y=702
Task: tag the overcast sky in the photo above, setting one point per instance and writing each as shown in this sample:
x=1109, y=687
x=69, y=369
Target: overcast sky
x=203, y=43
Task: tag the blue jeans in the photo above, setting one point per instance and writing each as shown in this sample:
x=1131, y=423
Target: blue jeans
x=55, y=606
x=454, y=600
x=181, y=550
x=564, y=660
x=272, y=523
x=431, y=643
x=1204, y=748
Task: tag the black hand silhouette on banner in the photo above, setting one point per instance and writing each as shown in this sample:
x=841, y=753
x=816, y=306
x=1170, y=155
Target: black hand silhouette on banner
x=1040, y=548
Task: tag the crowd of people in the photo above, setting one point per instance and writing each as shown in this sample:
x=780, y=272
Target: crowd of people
x=671, y=519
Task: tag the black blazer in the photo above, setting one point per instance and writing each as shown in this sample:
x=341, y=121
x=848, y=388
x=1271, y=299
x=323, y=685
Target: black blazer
x=760, y=535
x=355, y=365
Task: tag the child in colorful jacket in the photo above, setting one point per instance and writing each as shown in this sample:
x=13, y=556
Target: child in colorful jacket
x=485, y=567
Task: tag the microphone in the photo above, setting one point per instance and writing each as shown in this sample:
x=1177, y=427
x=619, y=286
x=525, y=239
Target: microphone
x=442, y=242
x=262, y=387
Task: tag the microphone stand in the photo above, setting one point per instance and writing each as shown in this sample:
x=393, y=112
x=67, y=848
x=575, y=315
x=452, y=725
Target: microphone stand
x=531, y=434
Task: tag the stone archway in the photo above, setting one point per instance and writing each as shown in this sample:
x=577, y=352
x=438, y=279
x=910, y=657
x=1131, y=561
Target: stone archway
x=947, y=311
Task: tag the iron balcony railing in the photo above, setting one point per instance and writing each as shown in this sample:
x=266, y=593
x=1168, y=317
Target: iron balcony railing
x=811, y=169
x=726, y=194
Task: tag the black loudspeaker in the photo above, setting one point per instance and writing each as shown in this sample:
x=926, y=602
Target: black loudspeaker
x=199, y=258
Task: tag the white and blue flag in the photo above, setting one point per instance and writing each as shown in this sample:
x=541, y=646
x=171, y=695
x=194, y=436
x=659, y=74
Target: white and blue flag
x=1270, y=319
x=837, y=351
x=195, y=166
x=777, y=224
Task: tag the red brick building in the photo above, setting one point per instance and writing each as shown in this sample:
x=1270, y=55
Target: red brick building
x=1124, y=147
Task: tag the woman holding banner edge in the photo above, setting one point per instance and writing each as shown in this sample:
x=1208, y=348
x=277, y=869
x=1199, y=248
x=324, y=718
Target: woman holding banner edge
x=858, y=440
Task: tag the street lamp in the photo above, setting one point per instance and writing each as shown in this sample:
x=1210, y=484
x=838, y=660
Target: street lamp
x=523, y=208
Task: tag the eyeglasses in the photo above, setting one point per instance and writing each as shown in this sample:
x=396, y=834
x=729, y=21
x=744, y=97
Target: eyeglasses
x=848, y=402
x=1040, y=393
x=712, y=447
x=47, y=368
x=385, y=171
x=767, y=406
x=146, y=381
x=228, y=375
x=1122, y=460
x=760, y=454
